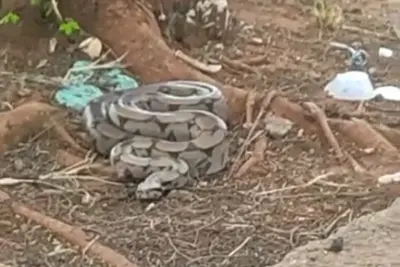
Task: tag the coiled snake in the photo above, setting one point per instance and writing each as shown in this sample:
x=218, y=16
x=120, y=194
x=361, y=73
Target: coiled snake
x=162, y=134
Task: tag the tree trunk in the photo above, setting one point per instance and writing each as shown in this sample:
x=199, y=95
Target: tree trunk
x=129, y=26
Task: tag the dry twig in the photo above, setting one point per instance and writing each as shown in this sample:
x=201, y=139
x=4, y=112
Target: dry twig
x=95, y=66
x=65, y=136
x=289, y=188
x=236, y=64
x=257, y=60
x=367, y=32
x=197, y=64
x=257, y=156
x=267, y=101
x=251, y=100
x=236, y=250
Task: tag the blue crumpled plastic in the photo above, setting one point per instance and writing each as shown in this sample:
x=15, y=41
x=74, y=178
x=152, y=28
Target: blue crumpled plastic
x=84, y=84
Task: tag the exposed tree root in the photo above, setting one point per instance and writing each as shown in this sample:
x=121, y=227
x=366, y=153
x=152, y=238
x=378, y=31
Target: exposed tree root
x=59, y=128
x=283, y=107
x=357, y=130
x=364, y=135
x=65, y=158
x=24, y=121
x=392, y=135
x=31, y=118
x=72, y=234
x=320, y=117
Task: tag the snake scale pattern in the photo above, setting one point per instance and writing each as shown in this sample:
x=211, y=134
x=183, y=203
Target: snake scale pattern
x=163, y=135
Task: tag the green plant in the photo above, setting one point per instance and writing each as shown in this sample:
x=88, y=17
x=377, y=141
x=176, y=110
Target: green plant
x=10, y=18
x=67, y=26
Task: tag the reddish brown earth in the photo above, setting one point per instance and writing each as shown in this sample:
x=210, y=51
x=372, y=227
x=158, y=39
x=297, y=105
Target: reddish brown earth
x=220, y=223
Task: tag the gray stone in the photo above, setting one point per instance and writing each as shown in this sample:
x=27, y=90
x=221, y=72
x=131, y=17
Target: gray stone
x=370, y=241
x=276, y=126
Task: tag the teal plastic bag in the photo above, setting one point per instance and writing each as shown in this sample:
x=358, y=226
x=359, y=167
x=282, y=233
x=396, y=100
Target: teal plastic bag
x=84, y=84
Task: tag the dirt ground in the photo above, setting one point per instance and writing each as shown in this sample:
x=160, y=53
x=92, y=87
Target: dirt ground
x=219, y=223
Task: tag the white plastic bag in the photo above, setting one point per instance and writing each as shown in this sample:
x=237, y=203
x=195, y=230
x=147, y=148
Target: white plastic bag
x=351, y=86
x=388, y=92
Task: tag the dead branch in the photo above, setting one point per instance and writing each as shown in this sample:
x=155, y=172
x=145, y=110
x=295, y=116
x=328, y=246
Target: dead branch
x=257, y=60
x=72, y=234
x=250, y=105
x=197, y=64
x=256, y=157
x=293, y=187
x=354, y=164
x=236, y=64
x=266, y=103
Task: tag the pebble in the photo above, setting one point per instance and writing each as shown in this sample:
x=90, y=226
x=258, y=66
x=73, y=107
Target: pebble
x=24, y=92
x=18, y=164
x=276, y=126
x=256, y=40
x=385, y=52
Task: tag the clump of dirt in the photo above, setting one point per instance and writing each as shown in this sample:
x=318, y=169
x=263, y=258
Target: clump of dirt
x=300, y=192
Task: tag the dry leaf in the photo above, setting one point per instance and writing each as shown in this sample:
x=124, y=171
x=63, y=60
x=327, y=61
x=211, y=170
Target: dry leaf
x=42, y=63
x=52, y=45
x=91, y=46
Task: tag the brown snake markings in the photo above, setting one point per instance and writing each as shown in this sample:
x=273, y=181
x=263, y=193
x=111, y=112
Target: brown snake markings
x=161, y=134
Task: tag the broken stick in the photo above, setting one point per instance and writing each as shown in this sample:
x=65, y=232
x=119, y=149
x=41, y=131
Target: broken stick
x=264, y=106
x=256, y=156
x=73, y=234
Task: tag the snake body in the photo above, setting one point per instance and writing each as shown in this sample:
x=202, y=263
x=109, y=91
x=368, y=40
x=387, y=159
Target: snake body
x=162, y=134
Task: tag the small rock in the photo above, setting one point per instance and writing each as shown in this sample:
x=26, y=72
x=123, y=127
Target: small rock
x=24, y=92
x=336, y=245
x=385, y=52
x=86, y=199
x=372, y=70
x=219, y=46
x=18, y=164
x=256, y=40
x=300, y=133
x=329, y=207
x=23, y=228
x=276, y=126
x=42, y=63
x=389, y=178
